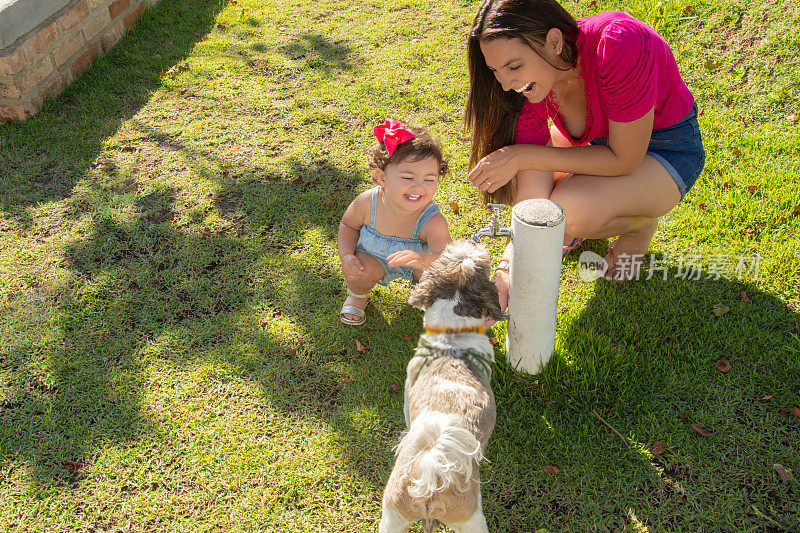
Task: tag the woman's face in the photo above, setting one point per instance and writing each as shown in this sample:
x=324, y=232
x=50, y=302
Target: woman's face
x=518, y=68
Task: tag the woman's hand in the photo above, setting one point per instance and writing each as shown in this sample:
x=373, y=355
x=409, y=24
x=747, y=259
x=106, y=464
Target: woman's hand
x=495, y=170
x=501, y=280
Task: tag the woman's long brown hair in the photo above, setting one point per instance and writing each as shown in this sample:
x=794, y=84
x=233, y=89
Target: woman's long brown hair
x=491, y=113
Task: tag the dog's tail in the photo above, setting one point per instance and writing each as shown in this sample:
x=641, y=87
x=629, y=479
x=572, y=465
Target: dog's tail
x=437, y=453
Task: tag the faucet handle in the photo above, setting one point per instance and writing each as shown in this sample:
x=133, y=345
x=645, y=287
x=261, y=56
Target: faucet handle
x=496, y=207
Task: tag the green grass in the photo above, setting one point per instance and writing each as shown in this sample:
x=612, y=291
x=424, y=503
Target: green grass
x=170, y=353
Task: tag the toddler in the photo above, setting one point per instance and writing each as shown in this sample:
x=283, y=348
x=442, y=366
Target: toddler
x=393, y=230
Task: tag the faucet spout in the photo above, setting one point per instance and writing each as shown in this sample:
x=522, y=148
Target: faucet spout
x=494, y=229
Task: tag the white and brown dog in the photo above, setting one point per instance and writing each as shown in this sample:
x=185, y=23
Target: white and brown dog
x=449, y=406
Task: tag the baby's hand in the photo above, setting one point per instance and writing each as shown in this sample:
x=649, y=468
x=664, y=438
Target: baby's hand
x=406, y=258
x=352, y=267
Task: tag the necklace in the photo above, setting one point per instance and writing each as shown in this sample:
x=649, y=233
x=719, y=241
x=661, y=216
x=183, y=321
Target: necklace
x=558, y=101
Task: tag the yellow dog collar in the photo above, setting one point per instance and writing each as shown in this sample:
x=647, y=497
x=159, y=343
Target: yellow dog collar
x=432, y=330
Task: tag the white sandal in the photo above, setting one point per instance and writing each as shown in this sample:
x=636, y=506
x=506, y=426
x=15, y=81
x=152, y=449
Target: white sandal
x=353, y=310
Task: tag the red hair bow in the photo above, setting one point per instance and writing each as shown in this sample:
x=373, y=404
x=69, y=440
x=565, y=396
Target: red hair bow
x=392, y=133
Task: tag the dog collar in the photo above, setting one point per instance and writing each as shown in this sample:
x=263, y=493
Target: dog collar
x=481, y=360
x=432, y=330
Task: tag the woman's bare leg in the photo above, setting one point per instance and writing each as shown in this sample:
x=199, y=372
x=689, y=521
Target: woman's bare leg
x=628, y=206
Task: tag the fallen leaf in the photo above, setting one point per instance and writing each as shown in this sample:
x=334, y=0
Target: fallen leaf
x=298, y=340
x=532, y=384
x=408, y=337
x=297, y=180
x=701, y=429
x=702, y=206
x=688, y=9
x=393, y=387
x=263, y=323
x=205, y=232
x=796, y=412
x=347, y=380
x=685, y=415
x=550, y=469
x=784, y=411
x=750, y=230
x=69, y=465
x=735, y=151
x=658, y=447
x=784, y=475
x=177, y=69
x=745, y=297
x=592, y=4
x=276, y=313
x=360, y=347
x=720, y=309
x=766, y=398
x=752, y=188
x=723, y=365
x=454, y=207
x=493, y=341
x=796, y=209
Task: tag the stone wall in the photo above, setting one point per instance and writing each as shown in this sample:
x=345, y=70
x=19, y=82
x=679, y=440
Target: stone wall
x=48, y=43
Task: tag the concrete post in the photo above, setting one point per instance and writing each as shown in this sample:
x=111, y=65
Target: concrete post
x=537, y=229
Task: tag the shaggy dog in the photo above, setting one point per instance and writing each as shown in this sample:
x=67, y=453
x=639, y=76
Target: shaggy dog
x=449, y=405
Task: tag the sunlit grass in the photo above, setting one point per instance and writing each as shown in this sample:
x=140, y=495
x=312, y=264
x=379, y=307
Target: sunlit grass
x=170, y=353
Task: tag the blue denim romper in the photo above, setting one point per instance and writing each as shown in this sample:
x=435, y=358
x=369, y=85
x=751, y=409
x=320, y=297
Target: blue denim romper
x=381, y=246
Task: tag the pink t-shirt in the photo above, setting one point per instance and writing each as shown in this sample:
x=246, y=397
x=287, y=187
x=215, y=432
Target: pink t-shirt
x=628, y=69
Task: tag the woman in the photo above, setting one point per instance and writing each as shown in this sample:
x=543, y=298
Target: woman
x=625, y=145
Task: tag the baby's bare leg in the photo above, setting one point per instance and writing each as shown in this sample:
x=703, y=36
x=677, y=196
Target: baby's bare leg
x=374, y=272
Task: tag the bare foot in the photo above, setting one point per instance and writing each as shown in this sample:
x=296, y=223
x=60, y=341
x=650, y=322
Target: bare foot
x=624, y=258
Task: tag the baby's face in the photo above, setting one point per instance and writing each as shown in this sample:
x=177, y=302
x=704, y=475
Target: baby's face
x=410, y=185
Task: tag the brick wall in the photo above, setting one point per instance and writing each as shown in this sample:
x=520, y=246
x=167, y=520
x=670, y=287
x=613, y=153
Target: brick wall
x=58, y=49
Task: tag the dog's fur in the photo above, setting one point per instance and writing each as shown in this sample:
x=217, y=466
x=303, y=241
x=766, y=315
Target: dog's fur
x=449, y=405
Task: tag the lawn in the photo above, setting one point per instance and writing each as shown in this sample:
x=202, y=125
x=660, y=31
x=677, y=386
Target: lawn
x=170, y=353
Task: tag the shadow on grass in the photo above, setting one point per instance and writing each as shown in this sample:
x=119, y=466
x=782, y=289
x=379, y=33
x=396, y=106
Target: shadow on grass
x=144, y=291
x=318, y=53
x=43, y=158
x=643, y=357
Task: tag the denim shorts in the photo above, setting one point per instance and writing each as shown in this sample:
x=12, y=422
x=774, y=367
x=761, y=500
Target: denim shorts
x=679, y=149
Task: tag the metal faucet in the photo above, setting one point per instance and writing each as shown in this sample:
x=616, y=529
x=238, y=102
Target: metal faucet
x=494, y=229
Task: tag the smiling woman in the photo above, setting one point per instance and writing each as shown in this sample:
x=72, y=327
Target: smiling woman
x=625, y=145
